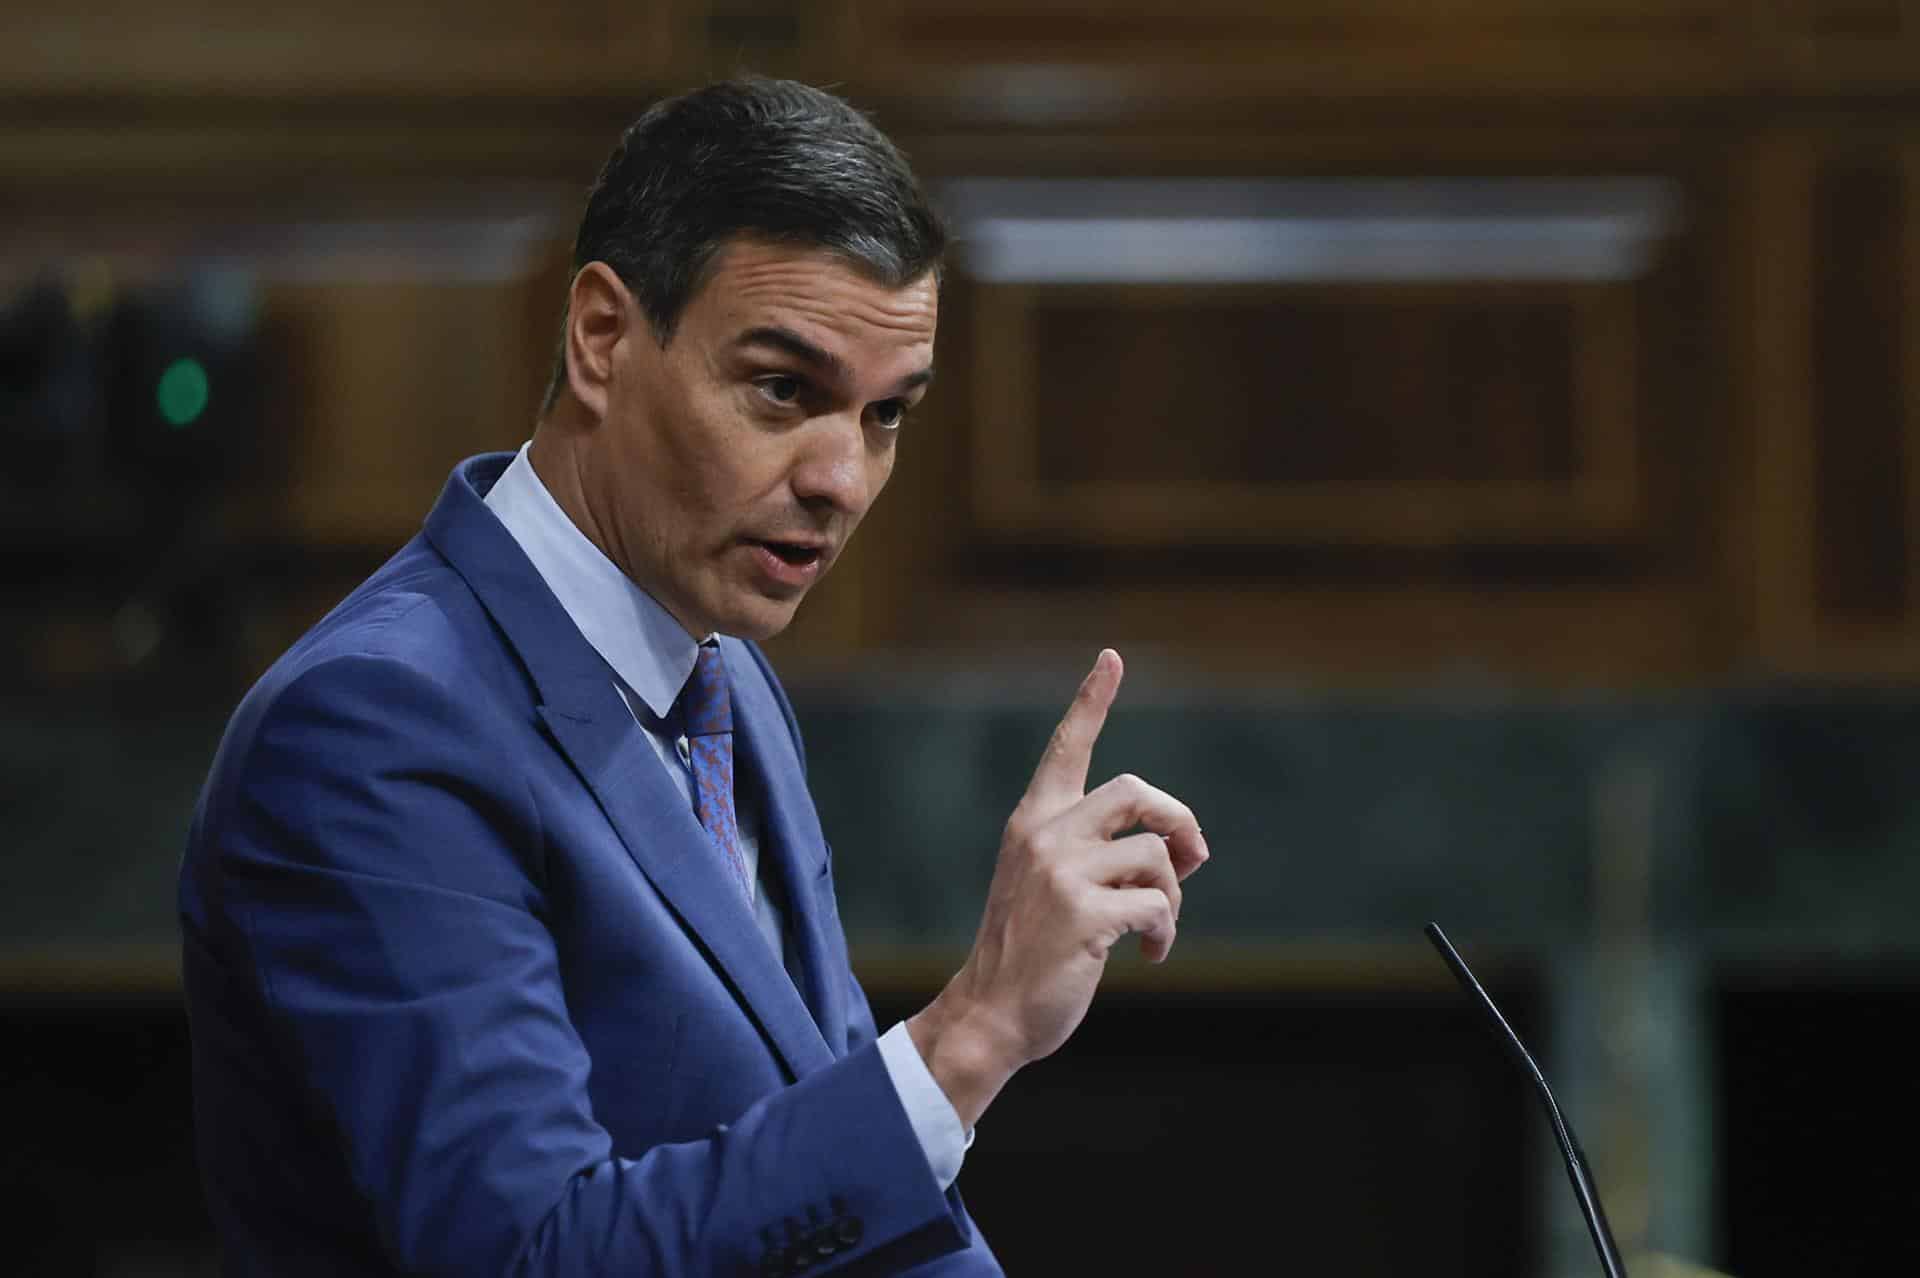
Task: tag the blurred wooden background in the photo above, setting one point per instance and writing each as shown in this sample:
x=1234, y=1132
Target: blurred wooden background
x=1747, y=404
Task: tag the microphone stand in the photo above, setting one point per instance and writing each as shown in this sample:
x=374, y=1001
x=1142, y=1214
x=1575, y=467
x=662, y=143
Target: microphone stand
x=1577, y=1170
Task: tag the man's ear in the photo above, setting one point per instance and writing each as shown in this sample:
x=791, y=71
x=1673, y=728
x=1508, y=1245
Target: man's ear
x=601, y=313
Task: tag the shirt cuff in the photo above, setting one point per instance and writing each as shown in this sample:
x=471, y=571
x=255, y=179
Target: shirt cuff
x=928, y=1109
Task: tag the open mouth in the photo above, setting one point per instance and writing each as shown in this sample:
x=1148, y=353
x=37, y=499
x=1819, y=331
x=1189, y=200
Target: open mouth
x=797, y=555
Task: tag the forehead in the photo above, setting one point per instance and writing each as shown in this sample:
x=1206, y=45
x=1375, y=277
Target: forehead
x=819, y=294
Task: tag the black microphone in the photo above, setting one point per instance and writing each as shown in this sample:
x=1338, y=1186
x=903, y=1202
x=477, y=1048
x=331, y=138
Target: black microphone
x=1577, y=1170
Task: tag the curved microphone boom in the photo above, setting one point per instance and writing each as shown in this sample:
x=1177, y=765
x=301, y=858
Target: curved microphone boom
x=1577, y=1169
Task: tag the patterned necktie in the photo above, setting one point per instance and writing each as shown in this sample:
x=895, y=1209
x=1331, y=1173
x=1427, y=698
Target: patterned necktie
x=707, y=710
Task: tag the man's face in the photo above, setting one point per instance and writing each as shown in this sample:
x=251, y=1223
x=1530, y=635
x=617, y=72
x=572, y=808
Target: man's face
x=732, y=465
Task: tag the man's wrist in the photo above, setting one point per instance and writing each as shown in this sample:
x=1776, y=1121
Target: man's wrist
x=964, y=1057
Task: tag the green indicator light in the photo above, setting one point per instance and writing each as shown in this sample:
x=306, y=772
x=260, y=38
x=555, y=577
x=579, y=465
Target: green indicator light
x=182, y=393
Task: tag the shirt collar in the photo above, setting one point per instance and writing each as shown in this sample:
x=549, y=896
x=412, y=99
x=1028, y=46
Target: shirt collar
x=650, y=651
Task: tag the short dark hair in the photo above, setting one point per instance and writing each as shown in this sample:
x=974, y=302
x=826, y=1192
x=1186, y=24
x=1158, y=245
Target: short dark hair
x=749, y=157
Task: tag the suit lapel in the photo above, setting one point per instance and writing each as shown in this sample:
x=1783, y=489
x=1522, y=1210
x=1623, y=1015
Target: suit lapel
x=790, y=838
x=593, y=727
x=665, y=840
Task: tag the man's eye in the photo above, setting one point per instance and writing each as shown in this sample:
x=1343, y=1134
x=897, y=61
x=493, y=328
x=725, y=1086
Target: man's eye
x=889, y=413
x=781, y=390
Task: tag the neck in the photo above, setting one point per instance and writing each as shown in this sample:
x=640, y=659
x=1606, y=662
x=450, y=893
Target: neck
x=556, y=460
x=560, y=460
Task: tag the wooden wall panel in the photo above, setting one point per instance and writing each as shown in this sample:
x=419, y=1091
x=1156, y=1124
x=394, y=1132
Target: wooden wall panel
x=1090, y=29
x=1027, y=61
x=1368, y=47
x=1857, y=329
x=1863, y=330
x=376, y=413
x=416, y=49
x=1857, y=43
x=1707, y=469
x=1830, y=534
x=1409, y=415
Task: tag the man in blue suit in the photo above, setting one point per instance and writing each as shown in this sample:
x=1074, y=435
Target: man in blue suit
x=509, y=928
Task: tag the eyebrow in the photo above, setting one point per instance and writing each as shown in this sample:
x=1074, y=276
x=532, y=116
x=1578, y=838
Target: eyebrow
x=785, y=339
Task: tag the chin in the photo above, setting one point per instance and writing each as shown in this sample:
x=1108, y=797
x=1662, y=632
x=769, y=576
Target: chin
x=761, y=620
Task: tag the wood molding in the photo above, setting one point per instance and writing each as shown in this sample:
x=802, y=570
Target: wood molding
x=1601, y=504
x=409, y=50
x=1772, y=392
x=1371, y=636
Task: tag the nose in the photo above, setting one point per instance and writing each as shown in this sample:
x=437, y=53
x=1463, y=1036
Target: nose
x=835, y=469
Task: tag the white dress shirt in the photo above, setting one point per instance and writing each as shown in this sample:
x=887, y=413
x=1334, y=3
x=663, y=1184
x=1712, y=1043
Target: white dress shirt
x=651, y=655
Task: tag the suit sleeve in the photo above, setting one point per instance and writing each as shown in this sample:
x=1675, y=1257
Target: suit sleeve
x=379, y=857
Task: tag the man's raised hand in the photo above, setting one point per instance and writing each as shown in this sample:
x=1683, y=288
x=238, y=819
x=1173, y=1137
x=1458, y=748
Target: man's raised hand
x=1076, y=872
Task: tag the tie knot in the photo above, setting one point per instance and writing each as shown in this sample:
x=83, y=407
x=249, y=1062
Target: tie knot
x=705, y=702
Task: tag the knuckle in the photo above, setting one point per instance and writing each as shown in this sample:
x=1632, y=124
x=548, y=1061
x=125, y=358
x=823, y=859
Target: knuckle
x=1028, y=824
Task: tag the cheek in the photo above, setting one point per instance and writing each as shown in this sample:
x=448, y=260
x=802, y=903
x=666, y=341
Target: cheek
x=720, y=495
x=703, y=456
x=879, y=470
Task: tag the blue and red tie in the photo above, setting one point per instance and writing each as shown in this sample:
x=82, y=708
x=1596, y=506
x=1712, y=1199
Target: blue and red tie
x=706, y=708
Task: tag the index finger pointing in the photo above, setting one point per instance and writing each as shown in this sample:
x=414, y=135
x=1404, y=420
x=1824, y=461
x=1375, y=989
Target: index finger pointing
x=1062, y=773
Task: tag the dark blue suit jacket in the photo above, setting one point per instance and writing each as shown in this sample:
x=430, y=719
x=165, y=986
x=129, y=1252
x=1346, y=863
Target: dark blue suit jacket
x=470, y=991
